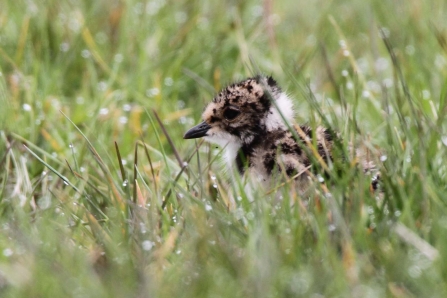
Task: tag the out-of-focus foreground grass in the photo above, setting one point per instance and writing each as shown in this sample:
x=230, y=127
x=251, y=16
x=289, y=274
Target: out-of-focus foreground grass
x=96, y=202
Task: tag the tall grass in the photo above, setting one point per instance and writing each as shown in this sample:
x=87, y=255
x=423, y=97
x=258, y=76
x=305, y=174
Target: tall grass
x=100, y=196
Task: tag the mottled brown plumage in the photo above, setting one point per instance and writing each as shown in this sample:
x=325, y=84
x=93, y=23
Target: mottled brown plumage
x=244, y=117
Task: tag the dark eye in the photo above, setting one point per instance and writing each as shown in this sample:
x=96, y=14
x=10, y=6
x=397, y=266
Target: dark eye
x=231, y=113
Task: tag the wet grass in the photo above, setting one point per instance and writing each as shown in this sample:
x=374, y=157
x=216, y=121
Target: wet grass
x=100, y=196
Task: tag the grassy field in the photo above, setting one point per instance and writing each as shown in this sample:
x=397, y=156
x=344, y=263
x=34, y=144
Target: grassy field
x=95, y=197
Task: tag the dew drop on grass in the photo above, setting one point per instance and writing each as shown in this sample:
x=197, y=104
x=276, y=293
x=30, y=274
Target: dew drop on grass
x=215, y=185
x=168, y=81
x=123, y=120
x=397, y=213
x=7, y=252
x=344, y=73
x=85, y=54
x=213, y=177
x=366, y=94
x=147, y=245
x=332, y=228
x=127, y=107
x=118, y=58
x=178, y=251
x=383, y=158
x=26, y=107
x=65, y=182
x=125, y=183
x=208, y=207
x=64, y=47
x=152, y=92
x=414, y=271
x=80, y=100
x=444, y=140
x=320, y=178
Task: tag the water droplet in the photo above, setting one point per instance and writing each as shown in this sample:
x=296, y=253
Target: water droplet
x=397, y=213
x=185, y=164
x=320, y=178
x=383, y=158
x=127, y=107
x=125, y=183
x=71, y=146
x=103, y=111
x=26, y=107
x=102, y=86
x=409, y=49
x=344, y=73
x=444, y=140
x=169, y=81
x=213, y=177
x=366, y=94
x=152, y=92
x=384, y=32
x=208, y=207
x=64, y=47
x=123, y=119
x=65, y=182
x=118, y=58
x=178, y=251
x=85, y=54
x=7, y=252
x=414, y=271
x=215, y=185
x=80, y=100
x=332, y=228
x=147, y=245
x=346, y=53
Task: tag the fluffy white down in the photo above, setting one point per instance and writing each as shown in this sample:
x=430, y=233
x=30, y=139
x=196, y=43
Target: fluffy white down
x=274, y=119
x=231, y=144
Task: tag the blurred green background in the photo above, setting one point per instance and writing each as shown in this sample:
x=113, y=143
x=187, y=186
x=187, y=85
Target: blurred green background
x=72, y=71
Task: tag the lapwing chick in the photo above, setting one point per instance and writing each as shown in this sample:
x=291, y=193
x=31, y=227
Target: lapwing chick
x=257, y=132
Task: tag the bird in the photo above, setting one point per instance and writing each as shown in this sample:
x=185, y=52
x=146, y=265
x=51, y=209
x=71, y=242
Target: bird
x=253, y=120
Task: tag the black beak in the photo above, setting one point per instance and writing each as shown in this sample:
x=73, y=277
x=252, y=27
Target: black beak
x=197, y=131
